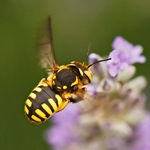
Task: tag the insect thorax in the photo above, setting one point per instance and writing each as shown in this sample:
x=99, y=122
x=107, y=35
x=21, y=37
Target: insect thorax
x=70, y=77
x=64, y=79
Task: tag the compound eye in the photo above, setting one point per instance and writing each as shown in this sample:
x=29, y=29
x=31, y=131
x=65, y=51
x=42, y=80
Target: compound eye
x=87, y=78
x=74, y=88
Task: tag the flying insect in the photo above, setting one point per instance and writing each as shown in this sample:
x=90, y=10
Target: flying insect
x=63, y=85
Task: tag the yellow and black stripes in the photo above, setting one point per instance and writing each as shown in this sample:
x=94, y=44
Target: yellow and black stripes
x=61, y=87
x=42, y=103
x=64, y=84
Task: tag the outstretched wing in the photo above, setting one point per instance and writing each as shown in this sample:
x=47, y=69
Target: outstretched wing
x=46, y=51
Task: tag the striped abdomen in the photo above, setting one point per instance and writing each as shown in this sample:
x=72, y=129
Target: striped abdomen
x=42, y=103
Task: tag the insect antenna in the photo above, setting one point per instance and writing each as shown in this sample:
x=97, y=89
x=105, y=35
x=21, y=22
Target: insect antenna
x=98, y=62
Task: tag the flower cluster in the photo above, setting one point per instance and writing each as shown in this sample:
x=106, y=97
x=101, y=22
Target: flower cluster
x=113, y=116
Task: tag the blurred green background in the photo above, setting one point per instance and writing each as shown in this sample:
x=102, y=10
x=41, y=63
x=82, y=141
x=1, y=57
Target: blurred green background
x=75, y=24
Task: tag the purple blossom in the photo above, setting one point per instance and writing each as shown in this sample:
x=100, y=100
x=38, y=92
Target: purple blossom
x=141, y=136
x=62, y=132
x=123, y=55
x=113, y=115
x=99, y=68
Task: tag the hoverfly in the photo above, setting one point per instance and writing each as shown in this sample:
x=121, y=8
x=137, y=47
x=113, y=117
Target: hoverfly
x=63, y=85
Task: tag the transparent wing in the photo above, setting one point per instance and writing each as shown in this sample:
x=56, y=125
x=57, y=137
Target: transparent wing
x=46, y=51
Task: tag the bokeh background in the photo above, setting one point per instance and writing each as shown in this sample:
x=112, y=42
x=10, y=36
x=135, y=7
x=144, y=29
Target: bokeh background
x=75, y=24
